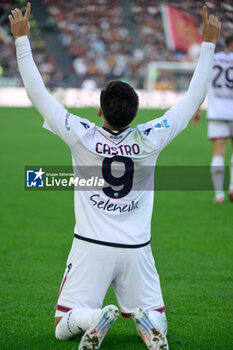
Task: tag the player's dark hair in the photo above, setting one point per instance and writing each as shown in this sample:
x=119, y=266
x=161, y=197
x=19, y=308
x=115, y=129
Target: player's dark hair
x=229, y=39
x=119, y=103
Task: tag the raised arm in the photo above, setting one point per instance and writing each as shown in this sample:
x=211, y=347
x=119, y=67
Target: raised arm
x=176, y=118
x=35, y=88
x=196, y=93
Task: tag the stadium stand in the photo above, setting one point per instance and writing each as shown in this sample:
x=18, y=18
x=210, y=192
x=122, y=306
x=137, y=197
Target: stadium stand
x=46, y=62
x=98, y=41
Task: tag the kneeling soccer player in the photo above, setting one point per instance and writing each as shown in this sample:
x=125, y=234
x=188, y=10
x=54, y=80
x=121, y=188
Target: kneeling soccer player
x=112, y=231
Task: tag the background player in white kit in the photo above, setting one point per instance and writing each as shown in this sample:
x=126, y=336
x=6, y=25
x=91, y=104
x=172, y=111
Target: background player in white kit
x=112, y=231
x=220, y=117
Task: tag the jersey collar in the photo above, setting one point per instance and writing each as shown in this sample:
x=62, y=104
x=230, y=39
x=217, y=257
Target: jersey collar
x=115, y=137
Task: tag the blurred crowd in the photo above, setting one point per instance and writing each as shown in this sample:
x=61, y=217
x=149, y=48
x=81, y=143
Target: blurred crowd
x=8, y=65
x=105, y=39
x=95, y=37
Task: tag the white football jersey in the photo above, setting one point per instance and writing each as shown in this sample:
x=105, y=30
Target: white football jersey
x=220, y=92
x=120, y=212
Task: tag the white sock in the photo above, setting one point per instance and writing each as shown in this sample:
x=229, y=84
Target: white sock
x=159, y=320
x=75, y=321
x=217, y=174
x=231, y=174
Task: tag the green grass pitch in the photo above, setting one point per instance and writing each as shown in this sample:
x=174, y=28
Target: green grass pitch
x=191, y=241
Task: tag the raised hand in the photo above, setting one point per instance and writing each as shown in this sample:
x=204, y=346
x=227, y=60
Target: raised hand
x=211, y=27
x=20, y=24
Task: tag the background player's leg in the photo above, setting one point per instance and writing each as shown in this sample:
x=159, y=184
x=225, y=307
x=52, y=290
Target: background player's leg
x=231, y=176
x=217, y=168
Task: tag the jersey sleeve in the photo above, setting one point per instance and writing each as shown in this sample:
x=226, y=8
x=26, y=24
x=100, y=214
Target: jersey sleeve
x=56, y=118
x=164, y=129
x=161, y=131
x=67, y=126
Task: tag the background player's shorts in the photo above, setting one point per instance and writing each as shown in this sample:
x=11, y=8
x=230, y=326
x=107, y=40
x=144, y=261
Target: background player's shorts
x=91, y=268
x=220, y=129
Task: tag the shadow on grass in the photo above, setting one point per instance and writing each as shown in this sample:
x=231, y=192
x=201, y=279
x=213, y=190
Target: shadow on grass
x=113, y=342
x=49, y=342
